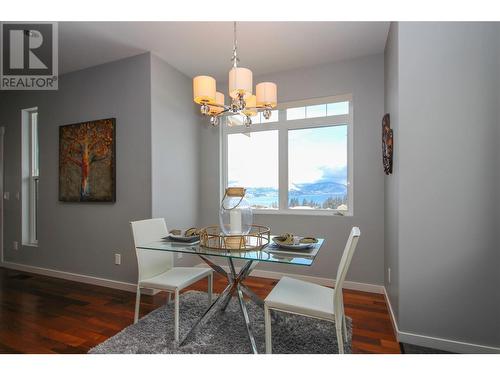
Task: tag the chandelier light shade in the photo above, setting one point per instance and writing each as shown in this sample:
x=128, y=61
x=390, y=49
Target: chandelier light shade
x=267, y=94
x=240, y=87
x=219, y=101
x=251, y=109
x=203, y=89
x=240, y=82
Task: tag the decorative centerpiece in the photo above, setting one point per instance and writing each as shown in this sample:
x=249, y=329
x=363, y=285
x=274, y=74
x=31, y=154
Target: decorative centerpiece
x=235, y=214
x=213, y=238
x=236, y=229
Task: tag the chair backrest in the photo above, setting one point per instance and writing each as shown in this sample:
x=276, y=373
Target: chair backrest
x=150, y=262
x=345, y=261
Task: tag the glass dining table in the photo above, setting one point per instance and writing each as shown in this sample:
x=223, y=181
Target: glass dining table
x=270, y=253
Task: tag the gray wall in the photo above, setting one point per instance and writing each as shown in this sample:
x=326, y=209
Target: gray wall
x=391, y=87
x=82, y=237
x=498, y=158
x=175, y=135
x=364, y=78
x=448, y=221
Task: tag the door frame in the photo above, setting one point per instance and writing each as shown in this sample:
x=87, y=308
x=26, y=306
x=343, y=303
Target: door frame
x=2, y=136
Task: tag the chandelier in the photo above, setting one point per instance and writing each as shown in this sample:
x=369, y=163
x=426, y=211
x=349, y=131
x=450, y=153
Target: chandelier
x=243, y=101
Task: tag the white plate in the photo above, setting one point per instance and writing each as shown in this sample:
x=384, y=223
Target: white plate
x=300, y=246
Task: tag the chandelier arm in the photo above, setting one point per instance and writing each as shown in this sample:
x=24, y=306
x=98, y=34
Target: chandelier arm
x=228, y=108
x=224, y=112
x=219, y=105
x=258, y=107
x=229, y=112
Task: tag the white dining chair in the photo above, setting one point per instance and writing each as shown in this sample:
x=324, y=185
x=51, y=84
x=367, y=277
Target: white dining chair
x=156, y=270
x=311, y=300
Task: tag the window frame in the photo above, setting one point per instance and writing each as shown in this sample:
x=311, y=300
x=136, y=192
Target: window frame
x=34, y=178
x=283, y=126
x=31, y=177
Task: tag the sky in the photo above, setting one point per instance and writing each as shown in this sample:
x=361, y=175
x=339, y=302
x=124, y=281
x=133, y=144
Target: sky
x=317, y=154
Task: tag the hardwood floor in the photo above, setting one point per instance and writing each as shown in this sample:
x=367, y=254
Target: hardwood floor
x=40, y=314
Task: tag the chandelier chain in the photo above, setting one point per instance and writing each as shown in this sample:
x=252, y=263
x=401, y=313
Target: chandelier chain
x=235, y=58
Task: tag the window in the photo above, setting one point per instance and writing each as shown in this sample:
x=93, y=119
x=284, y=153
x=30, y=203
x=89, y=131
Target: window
x=254, y=170
x=296, y=162
x=318, y=110
x=317, y=179
x=30, y=172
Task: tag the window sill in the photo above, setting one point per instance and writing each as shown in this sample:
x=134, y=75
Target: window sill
x=30, y=244
x=301, y=213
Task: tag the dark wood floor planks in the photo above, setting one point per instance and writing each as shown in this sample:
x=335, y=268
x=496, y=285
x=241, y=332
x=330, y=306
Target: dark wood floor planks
x=40, y=314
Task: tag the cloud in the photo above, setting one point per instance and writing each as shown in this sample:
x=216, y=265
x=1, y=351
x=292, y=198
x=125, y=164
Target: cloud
x=314, y=155
x=253, y=159
x=338, y=175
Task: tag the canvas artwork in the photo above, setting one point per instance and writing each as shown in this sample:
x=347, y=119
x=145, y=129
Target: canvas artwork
x=387, y=144
x=87, y=161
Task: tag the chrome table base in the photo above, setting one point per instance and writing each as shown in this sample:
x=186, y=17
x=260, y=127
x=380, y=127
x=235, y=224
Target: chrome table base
x=235, y=286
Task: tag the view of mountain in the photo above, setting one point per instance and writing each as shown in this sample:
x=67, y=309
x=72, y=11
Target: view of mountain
x=321, y=194
x=318, y=188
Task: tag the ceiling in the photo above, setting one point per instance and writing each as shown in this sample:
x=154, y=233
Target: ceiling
x=197, y=48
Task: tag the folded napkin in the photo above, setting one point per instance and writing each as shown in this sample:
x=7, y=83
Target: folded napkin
x=290, y=239
x=188, y=233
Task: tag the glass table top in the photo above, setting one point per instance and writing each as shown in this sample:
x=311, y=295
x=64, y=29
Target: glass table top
x=270, y=253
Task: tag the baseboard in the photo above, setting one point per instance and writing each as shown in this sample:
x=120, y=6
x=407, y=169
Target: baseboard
x=371, y=288
x=446, y=344
x=121, y=285
x=437, y=342
x=391, y=314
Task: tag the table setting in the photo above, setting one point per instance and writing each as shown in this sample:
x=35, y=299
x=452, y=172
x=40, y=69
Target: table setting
x=236, y=237
x=189, y=236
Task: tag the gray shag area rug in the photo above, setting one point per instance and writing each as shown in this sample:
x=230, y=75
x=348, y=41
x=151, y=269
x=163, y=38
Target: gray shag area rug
x=222, y=332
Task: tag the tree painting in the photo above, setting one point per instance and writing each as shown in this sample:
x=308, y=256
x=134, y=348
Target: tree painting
x=87, y=161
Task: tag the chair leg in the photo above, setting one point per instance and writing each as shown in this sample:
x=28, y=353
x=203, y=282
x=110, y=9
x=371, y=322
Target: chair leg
x=137, y=304
x=169, y=298
x=210, y=288
x=176, y=317
x=267, y=323
x=344, y=327
x=340, y=339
